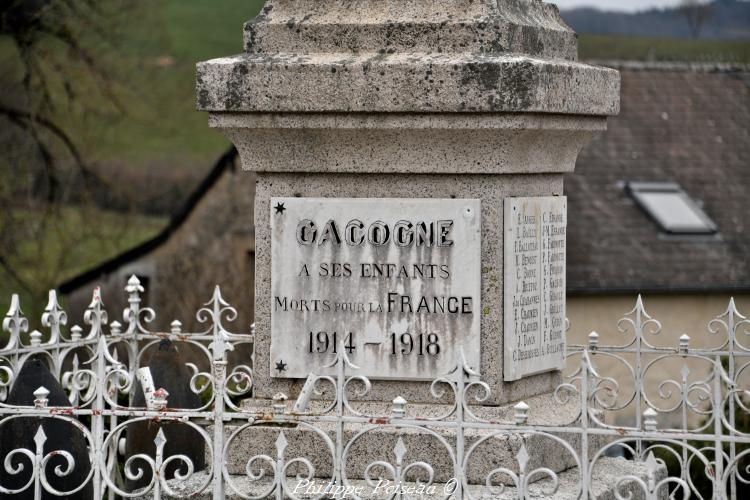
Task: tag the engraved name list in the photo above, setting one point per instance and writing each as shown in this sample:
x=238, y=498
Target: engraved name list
x=534, y=301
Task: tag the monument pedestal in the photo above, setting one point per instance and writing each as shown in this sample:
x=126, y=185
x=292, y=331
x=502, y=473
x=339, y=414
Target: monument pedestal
x=398, y=101
x=409, y=211
x=569, y=486
x=489, y=189
x=370, y=442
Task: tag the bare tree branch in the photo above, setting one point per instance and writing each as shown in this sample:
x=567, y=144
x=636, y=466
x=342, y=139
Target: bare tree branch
x=26, y=121
x=696, y=13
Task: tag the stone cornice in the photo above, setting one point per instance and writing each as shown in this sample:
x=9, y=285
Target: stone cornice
x=405, y=83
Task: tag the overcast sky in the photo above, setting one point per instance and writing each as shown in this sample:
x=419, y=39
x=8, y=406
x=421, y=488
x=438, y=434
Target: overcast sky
x=626, y=5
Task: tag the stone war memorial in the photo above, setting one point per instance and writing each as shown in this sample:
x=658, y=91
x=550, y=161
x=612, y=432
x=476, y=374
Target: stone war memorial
x=410, y=217
x=410, y=337
x=409, y=207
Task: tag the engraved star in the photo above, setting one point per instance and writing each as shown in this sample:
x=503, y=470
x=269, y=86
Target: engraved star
x=280, y=208
x=280, y=365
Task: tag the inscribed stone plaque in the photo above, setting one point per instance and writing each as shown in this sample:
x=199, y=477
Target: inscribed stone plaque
x=534, y=301
x=395, y=283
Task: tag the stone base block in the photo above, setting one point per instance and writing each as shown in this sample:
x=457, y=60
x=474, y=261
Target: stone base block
x=377, y=440
x=601, y=487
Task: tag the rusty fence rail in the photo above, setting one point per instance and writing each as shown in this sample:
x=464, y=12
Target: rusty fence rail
x=684, y=435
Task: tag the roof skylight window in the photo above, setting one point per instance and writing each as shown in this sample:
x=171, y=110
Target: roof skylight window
x=671, y=208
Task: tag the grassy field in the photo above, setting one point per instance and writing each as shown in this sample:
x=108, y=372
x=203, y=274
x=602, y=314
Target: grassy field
x=61, y=244
x=157, y=122
x=162, y=126
x=662, y=49
x=154, y=122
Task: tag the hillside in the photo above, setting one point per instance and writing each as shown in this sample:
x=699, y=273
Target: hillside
x=161, y=125
x=727, y=20
x=152, y=145
x=610, y=47
x=156, y=147
x=161, y=129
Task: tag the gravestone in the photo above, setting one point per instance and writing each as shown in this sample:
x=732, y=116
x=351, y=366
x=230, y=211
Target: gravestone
x=169, y=372
x=393, y=142
x=58, y=434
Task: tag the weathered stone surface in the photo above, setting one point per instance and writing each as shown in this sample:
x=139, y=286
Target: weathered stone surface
x=466, y=143
x=485, y=26
x=601, y=486
x=405, y=83
x=62, y=434
x=376, y=56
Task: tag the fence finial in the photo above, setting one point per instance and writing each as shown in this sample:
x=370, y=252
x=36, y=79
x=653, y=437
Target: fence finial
x=15, y=322
x=133, y=288
x=160, y=440
x=684, y=343
x=521, y=413
x=523, y=458
x=399, y=407
x=36, y=338
x=400, y=451
x=54, y=317
x=96, y=316
x=39, y=439
x=649, y=419
x=40, y=397
x=279, y=403
x=593, y=340
x=160, y=397
x=652, y=467
x=76, y=333
x=175, y=327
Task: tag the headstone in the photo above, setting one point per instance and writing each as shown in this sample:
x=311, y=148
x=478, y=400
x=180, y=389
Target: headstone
x=382, y=112
x=59, y=436
x=169, y=372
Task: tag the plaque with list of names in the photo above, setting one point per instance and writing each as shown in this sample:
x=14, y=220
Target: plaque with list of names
x=392, y=283
x=534, y=300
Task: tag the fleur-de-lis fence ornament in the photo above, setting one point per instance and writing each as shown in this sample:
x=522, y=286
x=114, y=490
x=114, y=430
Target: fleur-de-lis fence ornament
x=135, y=316
x=655, y=486
x=96, y=315
x=14, y=323
x=54, y=317
x=398, y=474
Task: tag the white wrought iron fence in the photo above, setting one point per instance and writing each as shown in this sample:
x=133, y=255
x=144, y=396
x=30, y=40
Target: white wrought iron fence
x=689, y=436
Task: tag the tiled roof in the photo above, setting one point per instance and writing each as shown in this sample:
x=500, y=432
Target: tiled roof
x=680, y=124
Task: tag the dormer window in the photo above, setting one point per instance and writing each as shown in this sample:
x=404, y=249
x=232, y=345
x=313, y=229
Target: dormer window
x=671, y=208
